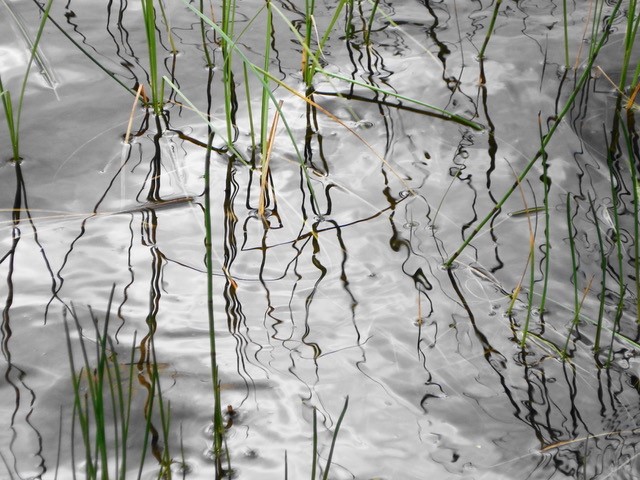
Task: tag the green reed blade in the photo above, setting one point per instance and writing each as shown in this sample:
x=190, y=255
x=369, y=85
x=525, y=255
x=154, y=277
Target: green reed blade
x=203, y=35
x=547, y=230
x=266, y=90
x=33, y=55
x=619, y=250
x=167, y=25
x=112, y=378
x=123, y=407
x=149, y=18
x=565, y=22
x=603, y=282
x=99, y=401
x=636, y=227
x=451, y=116
x=574, y=274
x=9, y=117
x=330, y=27
x=205, y=118
x=259, y=75
x=314, y=460
x=335, y=437
x=13, y=116
x=597, y=18
x=492, y=24
x=77, y=404
x=367, y=34
x=247, y=88
x=532, y=279
x=307, y=72
x=629, y=41
x=218, y=426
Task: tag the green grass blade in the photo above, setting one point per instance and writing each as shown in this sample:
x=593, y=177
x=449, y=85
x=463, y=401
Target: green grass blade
x=619, y=251
x=32, y=56
x=149, y=16
x=247, y=87
x=330, y=27
x=82, y=414
x=314, y=460
x=629, y=40
x=547, y=227
x=636, y=227
x=574, y=274
x=565, y=25
x=258, y=74
x=218, y=427
x=367, y=35
x=492, y=24
x=603, y=283
x=9, y=117
x=335, y=437
x=205, y=118
x=451, y=116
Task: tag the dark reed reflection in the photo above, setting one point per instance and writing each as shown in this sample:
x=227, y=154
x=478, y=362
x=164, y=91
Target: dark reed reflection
x=24, y=435
x=336, y=288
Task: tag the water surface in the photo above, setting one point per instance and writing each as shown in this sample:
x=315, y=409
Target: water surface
x=341, y=296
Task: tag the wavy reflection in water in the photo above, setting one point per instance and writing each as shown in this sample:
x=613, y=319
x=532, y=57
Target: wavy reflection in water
x=337, y=289
x=23, y=436
x=584, y=425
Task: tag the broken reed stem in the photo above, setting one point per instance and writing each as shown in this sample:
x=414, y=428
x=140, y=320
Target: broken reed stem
x=264, y=176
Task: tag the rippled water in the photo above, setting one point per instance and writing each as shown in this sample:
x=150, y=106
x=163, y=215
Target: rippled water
x=344, y=298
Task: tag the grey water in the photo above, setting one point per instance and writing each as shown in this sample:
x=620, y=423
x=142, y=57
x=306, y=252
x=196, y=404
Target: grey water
x=340, y=291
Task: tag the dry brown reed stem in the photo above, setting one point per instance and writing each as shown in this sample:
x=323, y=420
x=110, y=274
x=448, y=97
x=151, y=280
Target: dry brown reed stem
x=350, y=130
x=585, y=292
x=264, y=175
x=582, y=439
x=229, y=278
x=516, y=290
x=584, y=36
x=631, y=99
x=133, y=111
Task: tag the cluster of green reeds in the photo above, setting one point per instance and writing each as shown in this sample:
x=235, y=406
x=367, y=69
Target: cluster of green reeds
x=98, y=393
x=102, y=395
x=103, y=399
x=620, y=144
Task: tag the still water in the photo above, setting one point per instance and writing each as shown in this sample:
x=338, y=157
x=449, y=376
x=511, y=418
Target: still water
x=340, y=293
